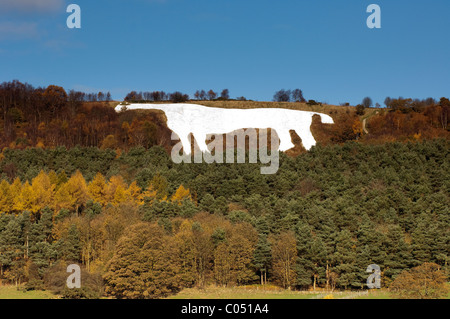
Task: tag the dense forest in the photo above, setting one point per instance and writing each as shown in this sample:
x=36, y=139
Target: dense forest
x=144, y=227
x=81, y=183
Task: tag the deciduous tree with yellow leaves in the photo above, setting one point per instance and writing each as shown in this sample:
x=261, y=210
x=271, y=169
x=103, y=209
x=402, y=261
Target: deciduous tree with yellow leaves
x=73, y=194
x=181, y=194
x=97, y=189
x=6, y=197
x=43, y=192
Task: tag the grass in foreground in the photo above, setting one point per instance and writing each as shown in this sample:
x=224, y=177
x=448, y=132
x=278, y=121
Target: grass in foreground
x=11, y=292
x=258, y=292
x=244, y=292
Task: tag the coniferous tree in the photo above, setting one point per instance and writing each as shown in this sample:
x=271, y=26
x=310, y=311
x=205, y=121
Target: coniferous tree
x=304, y=265
x=262, y=258
x=12, y=252
x=398, y=253
x=70, y=246
x=345, y=259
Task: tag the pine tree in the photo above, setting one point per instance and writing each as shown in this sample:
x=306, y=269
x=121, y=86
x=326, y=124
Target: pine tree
x=398, y=253
x=207, y=203
x=319, y=260
x=370, y=250
x=262, y=257
x=345, y=259
x=70, y=247
x=12, y=252
x=304, y=266
x=423, y=239
x=158, y=186
x=42, y=252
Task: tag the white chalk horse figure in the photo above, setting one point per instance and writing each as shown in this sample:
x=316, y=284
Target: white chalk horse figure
x=201, y=121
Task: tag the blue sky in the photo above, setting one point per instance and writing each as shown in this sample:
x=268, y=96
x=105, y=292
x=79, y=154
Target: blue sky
x=251, y=47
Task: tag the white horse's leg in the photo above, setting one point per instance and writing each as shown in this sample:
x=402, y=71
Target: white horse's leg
x=186, y=142
x=285, y=139
x=201, y=142
x=308, y=140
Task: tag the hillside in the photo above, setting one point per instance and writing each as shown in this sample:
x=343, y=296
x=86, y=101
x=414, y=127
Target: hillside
x=373, y=125
x=52, y=117
x=346, y=121
x=336, y=210
x=82, y=183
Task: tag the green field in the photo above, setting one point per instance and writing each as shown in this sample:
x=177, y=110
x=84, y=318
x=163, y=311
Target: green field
x=11, y=292
x=244, y=292
x=256, y=292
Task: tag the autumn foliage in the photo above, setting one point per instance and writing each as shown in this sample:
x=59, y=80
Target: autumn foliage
x=57, y=192
x=81, y=183
x=426, y=281
x=51, y=117
x=389, y=126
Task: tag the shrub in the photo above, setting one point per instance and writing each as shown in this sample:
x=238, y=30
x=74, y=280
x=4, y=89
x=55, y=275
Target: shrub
x=426, y=281
x=360, y=109
x=312, y=102
x=55, y=280
x=34, y=284
x=80, y=293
